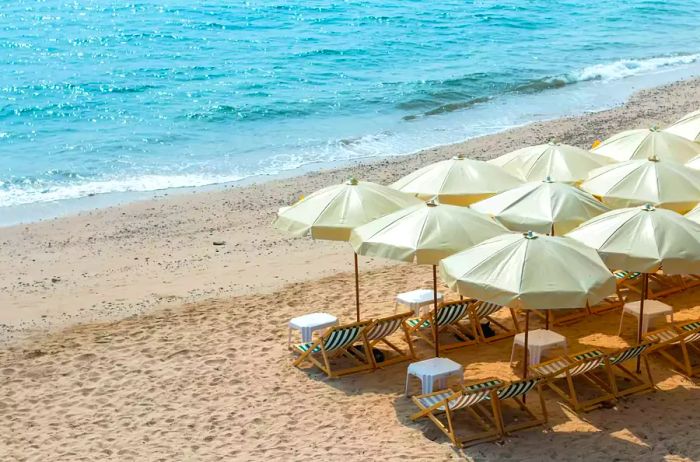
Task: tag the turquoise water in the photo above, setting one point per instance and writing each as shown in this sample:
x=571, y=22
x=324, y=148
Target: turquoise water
x=101, y=97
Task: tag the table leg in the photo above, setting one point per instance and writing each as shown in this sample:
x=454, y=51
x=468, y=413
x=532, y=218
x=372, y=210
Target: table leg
x=289, y=337
x=512, y=354
x=408, y=377
x=622, y=318
x=645, y=324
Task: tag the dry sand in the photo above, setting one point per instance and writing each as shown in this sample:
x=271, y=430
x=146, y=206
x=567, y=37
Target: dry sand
x=183, y=353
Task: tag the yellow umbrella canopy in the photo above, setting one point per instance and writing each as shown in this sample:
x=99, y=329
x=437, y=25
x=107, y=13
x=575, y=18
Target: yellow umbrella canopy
x=530, y=271
x=694, y=215
x=332, y=212
x=643, y=143
x=643, y=239
x=457, y=181
x=425, y=233
x=664, y=184
x=559, y=162
x=688, y=127
x=545, y=207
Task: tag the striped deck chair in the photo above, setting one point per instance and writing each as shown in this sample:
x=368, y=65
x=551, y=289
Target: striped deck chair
x=448, y=317
x=479, y=311
x=560, y=375
x=378, y=333
x=334, y=343
x=516, y=391
x=675, y=344
x=616, y=362
x=441, y=406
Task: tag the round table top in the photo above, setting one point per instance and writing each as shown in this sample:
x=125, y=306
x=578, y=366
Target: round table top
x=434, y=366
x=312, y=320
x=540, y=337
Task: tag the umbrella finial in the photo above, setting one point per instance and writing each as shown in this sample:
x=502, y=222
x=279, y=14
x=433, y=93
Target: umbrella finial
x=432, y=202
x=548, y=180
x=459, y=157
x=553, y=141
x=352, y=181
x=648, y=207
x=530, y=235
x=653, y=158
x=654, y=128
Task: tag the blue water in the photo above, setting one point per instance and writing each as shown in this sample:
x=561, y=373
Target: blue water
x=100, y=97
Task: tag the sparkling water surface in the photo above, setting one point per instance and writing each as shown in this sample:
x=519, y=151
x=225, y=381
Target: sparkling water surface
x=100, y=97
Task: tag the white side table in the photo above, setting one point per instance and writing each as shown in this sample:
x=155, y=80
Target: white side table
x=432, y=370
x=416, y=299
x=652, y=309
x=308, y=323
x=538, y=341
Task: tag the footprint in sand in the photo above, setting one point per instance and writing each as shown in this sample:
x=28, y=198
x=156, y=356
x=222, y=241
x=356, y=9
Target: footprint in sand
x=215, y=362
x=86, y=357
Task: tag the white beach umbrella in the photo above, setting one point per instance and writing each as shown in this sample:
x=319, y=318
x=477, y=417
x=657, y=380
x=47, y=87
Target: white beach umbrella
x=644, y=143
x=687, y=126
x=559, y=162
x=332, y=212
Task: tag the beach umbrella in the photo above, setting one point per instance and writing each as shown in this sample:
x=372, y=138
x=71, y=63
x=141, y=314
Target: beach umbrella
x=643, y=239
x=694, y=163
x=424, y=234
x=332, y=212
x=559, y=162
x=530, y=271
x=688, y=126
x=694, y=215
x=545, y=207
x=643, y=143
x=662, y=183
x=457, y=181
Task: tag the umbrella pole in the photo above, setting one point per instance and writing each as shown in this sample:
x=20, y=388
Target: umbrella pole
x=527, y=329
x=357, y=289
x=645, y=290
x=435, y=326
x=546, y=320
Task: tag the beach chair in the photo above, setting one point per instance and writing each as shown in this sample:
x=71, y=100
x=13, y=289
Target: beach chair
x=448, y=317
x=336, y=342
x=675, y=345
x=561, y=375
x=515, y=391
x=441, y=408
x=479, y=311
x=617, y=368
x=378, y=332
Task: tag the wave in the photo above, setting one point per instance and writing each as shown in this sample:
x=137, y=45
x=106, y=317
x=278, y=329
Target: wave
x=37, y=192
x=629, y=67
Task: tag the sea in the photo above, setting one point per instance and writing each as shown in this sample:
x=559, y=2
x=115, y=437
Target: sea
x=111, y=100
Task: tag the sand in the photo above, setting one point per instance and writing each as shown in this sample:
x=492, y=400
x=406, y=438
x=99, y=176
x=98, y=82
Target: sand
x=181, y=354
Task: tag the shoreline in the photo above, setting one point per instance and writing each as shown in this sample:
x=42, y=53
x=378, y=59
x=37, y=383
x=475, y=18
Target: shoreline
x=114, y=262
x=538, y=108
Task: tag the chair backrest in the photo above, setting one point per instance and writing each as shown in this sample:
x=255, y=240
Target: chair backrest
x=465, y=399
x=450, y=313
x=693, y=330
x=586, y=365
x=515, y=389
x=342, y=336
x=663, y=336
x=628, y=353
x=482, y=309
x=384, y=327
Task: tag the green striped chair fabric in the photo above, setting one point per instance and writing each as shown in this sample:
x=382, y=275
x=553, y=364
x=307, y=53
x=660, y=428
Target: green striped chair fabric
x=446, y=315
x=339, y=338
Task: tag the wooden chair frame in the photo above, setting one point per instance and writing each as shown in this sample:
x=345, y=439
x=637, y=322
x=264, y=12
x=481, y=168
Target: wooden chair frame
x=682, y=338
x=615, y=362
x=401, y=355
x=509, y=392
x=478, y=329
x=479, y=393
x=318, y=348
x=422, y=327
x=582, y=365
